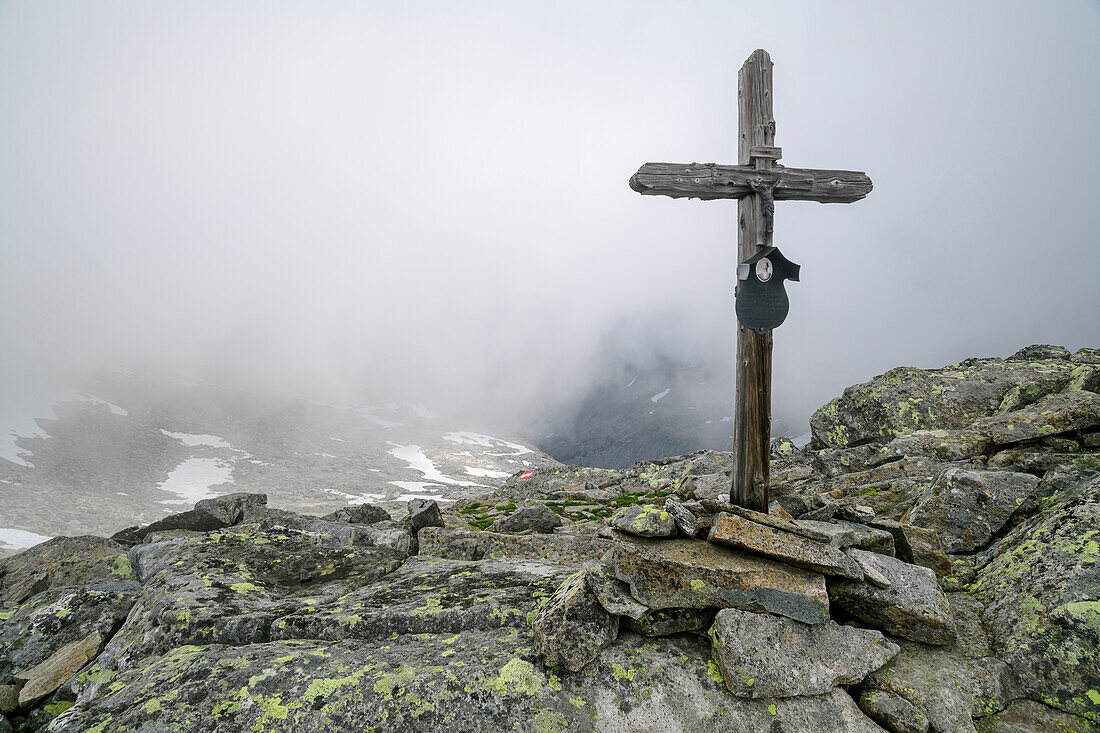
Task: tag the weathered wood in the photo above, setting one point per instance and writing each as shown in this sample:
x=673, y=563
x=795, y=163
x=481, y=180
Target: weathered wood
x=756, y=181
x=710, y=181
x=765, y=151
x=753, y=406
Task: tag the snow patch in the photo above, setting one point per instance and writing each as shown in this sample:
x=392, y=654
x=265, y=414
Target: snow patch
x=414, y=456
x=410, y=497
x=355, y=499
x=659, y=396
x=486, y=473
x=192, y=479
x=338, y=440
x=416, y=485
x=464, y=437
x=18, y=539
x=191, y=440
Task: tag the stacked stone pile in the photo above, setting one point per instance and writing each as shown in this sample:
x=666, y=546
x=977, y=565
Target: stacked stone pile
x=760, y=585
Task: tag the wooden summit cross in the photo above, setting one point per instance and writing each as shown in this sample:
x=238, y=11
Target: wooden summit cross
x=757, y=182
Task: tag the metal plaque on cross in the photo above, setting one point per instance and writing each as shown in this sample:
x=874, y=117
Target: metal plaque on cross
x=762, y=302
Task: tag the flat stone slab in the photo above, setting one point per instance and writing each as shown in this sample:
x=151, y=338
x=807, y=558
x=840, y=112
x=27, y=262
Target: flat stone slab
x=44, y=678
x=762, y=655
x=1056, y=413
x=413, y=683
x=686, y=573
x=792, y=549
x=913, y=607
x=431, y=595
x=460, y=544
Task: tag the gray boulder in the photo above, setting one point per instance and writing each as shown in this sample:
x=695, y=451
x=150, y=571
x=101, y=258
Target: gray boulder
x=58, y=617
x=229, y=586
x=895, y=714
x=644, y=520
x=573, y=627
x=46, y=676
x=789, y=548
x=912, y=607
x=684, y=573
x=232, y=508
x=533, y=517
x=612, y=593
x=430, y=595
x=905, y=399
x=60, y=562
x=424, y=513
x=1056, y=413
x=359, y=514
x=916, y=545
x=1028, y=716
x=943, y=685
x=1040, y=585
x=946, y=445
x=761, y=655
x=966, y=507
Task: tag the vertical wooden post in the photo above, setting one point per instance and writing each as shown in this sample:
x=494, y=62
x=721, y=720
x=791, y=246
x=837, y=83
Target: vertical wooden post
x=752, y=415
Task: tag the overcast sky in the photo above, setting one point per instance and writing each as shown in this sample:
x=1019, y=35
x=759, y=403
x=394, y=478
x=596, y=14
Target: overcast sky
x=430, y=198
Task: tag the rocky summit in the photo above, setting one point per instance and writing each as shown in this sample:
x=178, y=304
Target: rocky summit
x=928, y=564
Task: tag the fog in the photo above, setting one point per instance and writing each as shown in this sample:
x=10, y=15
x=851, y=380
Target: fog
x=429, y=200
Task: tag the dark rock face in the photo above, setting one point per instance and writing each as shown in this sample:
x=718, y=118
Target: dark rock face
x=671, y=621
x=61, y=562
x=61, y=616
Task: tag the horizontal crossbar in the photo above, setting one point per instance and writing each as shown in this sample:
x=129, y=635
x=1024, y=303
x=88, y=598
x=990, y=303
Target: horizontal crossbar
x=710, y=181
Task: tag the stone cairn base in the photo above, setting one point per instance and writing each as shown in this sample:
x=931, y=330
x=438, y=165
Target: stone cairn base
x=765, y=587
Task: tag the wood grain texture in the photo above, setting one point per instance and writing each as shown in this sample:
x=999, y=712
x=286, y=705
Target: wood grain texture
x=709, y=181
x=752, y=409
